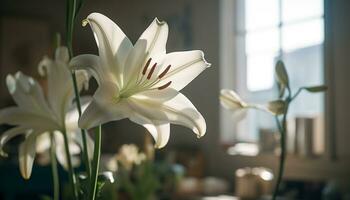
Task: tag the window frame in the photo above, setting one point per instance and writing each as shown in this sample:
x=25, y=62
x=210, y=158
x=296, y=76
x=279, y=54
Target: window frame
x=231, y=55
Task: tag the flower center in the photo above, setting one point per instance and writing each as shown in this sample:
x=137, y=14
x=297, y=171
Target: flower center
x=145, y=81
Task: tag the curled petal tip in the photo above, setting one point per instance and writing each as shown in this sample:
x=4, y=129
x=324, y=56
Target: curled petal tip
x=44, y=65
x=11, y=83
x=207, y=64
x=200, y=134
x=26, y=176
x=159, y=22
x=84, y=22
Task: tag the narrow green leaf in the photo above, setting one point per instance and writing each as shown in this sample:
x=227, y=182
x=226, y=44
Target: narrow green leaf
x=281, y=73
x=319, y=88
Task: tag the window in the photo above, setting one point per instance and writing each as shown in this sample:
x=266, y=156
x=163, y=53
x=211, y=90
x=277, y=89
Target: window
x=265, y=31
x=275, y=27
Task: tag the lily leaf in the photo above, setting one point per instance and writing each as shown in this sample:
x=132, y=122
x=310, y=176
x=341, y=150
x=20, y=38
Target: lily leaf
x=319, y=88
x=281, y=74
x=276, y=107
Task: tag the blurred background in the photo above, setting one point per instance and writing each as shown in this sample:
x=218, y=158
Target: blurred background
x=242, y=39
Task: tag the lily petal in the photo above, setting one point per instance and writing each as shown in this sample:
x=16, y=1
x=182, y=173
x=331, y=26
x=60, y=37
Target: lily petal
x=77, y=138
x=231, y=100
x=134, y=62
x=112, y=43
x=156, y=36
x=151, y=44
x=27, y=155
x=61, y=54
x=72, y=116
x=160, y=131
x=178, y=110
x=104, y=107
x=185, y=66
x=90, y=63
x=97, y=113
x=18, y=116
x=60, y=88
x=27, y=93
x=43, y=143
x=157, y=95
x=8, y=135
x=74, y=150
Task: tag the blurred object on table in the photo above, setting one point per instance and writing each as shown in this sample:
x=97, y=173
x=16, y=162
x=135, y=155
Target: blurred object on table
x=221, y=197
x=141, y=175
x=267, y=140
x=305, y=136
x=244, y=148
x=209, y=186
x=214, y=186
x=192, y=160
x=252, y=183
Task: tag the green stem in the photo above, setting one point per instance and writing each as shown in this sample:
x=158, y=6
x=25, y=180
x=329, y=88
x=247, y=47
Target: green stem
x=296, y=94
x=72, y=178
x=70, y=17
x=56, y=183
x=83, y=132
x=95, y=164
x=282, y=126
x=72, y=11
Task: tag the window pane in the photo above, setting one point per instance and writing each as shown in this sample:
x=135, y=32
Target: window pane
x=301, y=35
x=260, y=72
x=300, y=9
x=261, y=14
x=262, y=42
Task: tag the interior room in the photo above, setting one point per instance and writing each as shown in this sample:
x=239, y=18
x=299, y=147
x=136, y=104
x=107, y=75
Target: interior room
x=184, y=100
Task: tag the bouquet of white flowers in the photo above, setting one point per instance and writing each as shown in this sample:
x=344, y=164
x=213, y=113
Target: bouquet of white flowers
x=141, y=82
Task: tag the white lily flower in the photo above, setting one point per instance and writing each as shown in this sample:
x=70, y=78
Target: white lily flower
x=36, y=115
x=140, y=82
x=230, y=100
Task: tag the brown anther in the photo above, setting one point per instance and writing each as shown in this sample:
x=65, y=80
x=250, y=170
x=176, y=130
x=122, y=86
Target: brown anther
x=146, y=66
x=151, y=71
x=164, y=86
x=164, y=72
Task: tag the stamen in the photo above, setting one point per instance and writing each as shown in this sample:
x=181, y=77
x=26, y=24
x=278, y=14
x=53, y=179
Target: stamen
x=146, y=66
x=164, y=86
x=164, y=72
x=151, y=71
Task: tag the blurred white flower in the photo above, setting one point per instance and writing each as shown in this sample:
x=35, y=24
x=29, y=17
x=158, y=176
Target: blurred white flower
x=36, y=115
x=129, y=155
x=140, y=82
x=233, y=102
x=229, y=99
